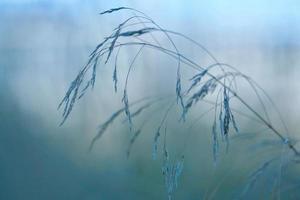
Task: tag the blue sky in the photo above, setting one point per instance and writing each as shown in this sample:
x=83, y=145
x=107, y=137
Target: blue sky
x=239, y=13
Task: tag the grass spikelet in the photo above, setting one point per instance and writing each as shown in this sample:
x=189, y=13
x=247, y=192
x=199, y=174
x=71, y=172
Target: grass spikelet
x=172, y=172
x=196, y=79
x=125, y=96
x=157, y=134
x=93, y=79
x=132, y=140
x=227, y=116
x=98, y=47
x=215, y=142
x=141, y=109
x=113, y=10
x=112, y=44
x=126, y=108
x=82, y=93
x=255, y=176
x=221, y=120
x=104, y=126
x=207, y=88
x=115, y=74
x=178, y=91
x=234, y=123
x=136, y=33
x=144, y=107
x=155, y=143
x=115, y=78
x=70, y=97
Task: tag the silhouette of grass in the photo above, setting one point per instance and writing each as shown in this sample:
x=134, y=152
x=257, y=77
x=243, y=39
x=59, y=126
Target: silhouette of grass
x=218, y=79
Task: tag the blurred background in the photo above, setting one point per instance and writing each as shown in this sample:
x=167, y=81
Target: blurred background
x=44, y=44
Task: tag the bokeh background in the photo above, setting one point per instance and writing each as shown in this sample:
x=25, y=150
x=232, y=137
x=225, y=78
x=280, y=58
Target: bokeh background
x=43, y=45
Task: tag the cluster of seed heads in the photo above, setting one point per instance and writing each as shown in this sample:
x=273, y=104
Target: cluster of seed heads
x=202, y=84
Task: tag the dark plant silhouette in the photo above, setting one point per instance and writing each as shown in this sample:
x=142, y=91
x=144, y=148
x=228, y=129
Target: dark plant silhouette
x=218, y=80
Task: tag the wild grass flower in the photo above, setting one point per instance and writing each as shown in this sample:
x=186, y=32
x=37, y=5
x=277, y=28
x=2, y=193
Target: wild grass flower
x=219, y=77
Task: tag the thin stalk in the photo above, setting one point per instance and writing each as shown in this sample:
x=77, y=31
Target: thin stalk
x=196, y=66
